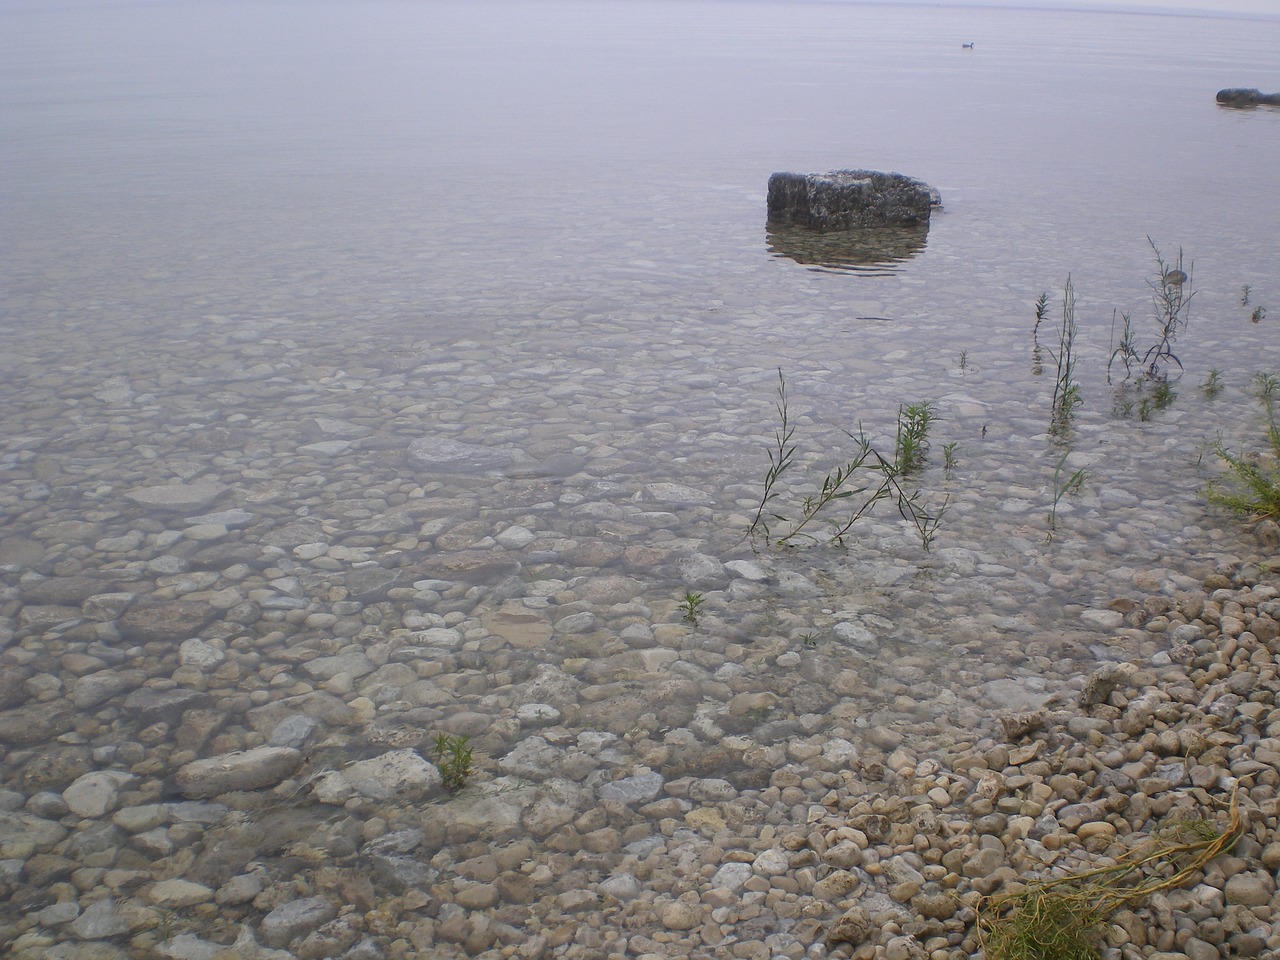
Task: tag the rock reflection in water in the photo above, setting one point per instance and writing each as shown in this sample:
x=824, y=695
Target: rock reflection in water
x=873, y=252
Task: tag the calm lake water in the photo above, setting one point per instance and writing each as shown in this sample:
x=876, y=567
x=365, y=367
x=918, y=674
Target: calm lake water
x=272, y=245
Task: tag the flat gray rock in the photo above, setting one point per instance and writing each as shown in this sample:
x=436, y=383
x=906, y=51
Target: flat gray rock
x=703, y=572
x=316, y=429
x=63, y=590
x=100, y=921
x=533, y=758
x=293, y=731
x=326, y=448
x=150, y=705
x=675, y=493
x=640, y=788
x=35, y=723
x=1024, y=694
x=370, y=584
x=856, y=634
x=326, y=668
x=18, y=828
x=290, y=920
x=178, y=497
x=232, y=519
x=249, y=770
x=187, y=946
x=96, y=793
x=400, y=773
x=454, y=456
x=150, y=621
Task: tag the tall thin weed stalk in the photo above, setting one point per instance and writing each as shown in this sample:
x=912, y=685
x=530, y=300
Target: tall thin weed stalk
x=1171, y=296
x=1064, y=484
x=1066, y=389
x=781, y=455
x=848, y=493
x=1037, y=355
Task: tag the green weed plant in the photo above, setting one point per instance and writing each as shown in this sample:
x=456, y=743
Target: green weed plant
x=454, y=760
x=912, y=444
x=1251, y=487
x=852, y=490
x=689, y=607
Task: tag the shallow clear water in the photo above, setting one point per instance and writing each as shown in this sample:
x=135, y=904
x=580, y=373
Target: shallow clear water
x=541, y=227
x=420, y=170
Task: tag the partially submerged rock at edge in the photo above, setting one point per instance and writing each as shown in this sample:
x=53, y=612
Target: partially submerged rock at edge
x=1247, y=97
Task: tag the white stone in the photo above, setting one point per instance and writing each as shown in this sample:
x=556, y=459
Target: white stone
x=326, y=448
x=332, y=788
x=746, y=570
x=622, y=887
x=397, y=774
x=199, y=654
x=175, y=893
x=309, y=551
x=676, y=493
x=248, y=770
x=731, y=876
x=771, y=863
x=658, y=658
x=439, y=637
x=205, y=532
x=97, y=793
x=640, y=788
x=537, y=714
x=855, y=634
x=514, y=537
x=1103, y=619
x=678, y=915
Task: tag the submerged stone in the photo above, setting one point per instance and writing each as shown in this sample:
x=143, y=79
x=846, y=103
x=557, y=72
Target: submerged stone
x=153, y=621
x=178, y=497
x=454, y=456
x=250, y=770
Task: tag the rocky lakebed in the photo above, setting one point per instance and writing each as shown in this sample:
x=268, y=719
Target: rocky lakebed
x=241, y=603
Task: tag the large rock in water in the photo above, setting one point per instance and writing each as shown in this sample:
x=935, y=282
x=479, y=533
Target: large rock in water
x=849, y=200
x=1242, y=97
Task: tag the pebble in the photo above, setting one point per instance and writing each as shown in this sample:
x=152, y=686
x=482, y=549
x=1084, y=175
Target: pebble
x=399, y=774
x=95, y=794
x=177, y=894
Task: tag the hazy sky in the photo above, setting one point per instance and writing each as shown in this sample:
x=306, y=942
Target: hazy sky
x=1271, y=7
